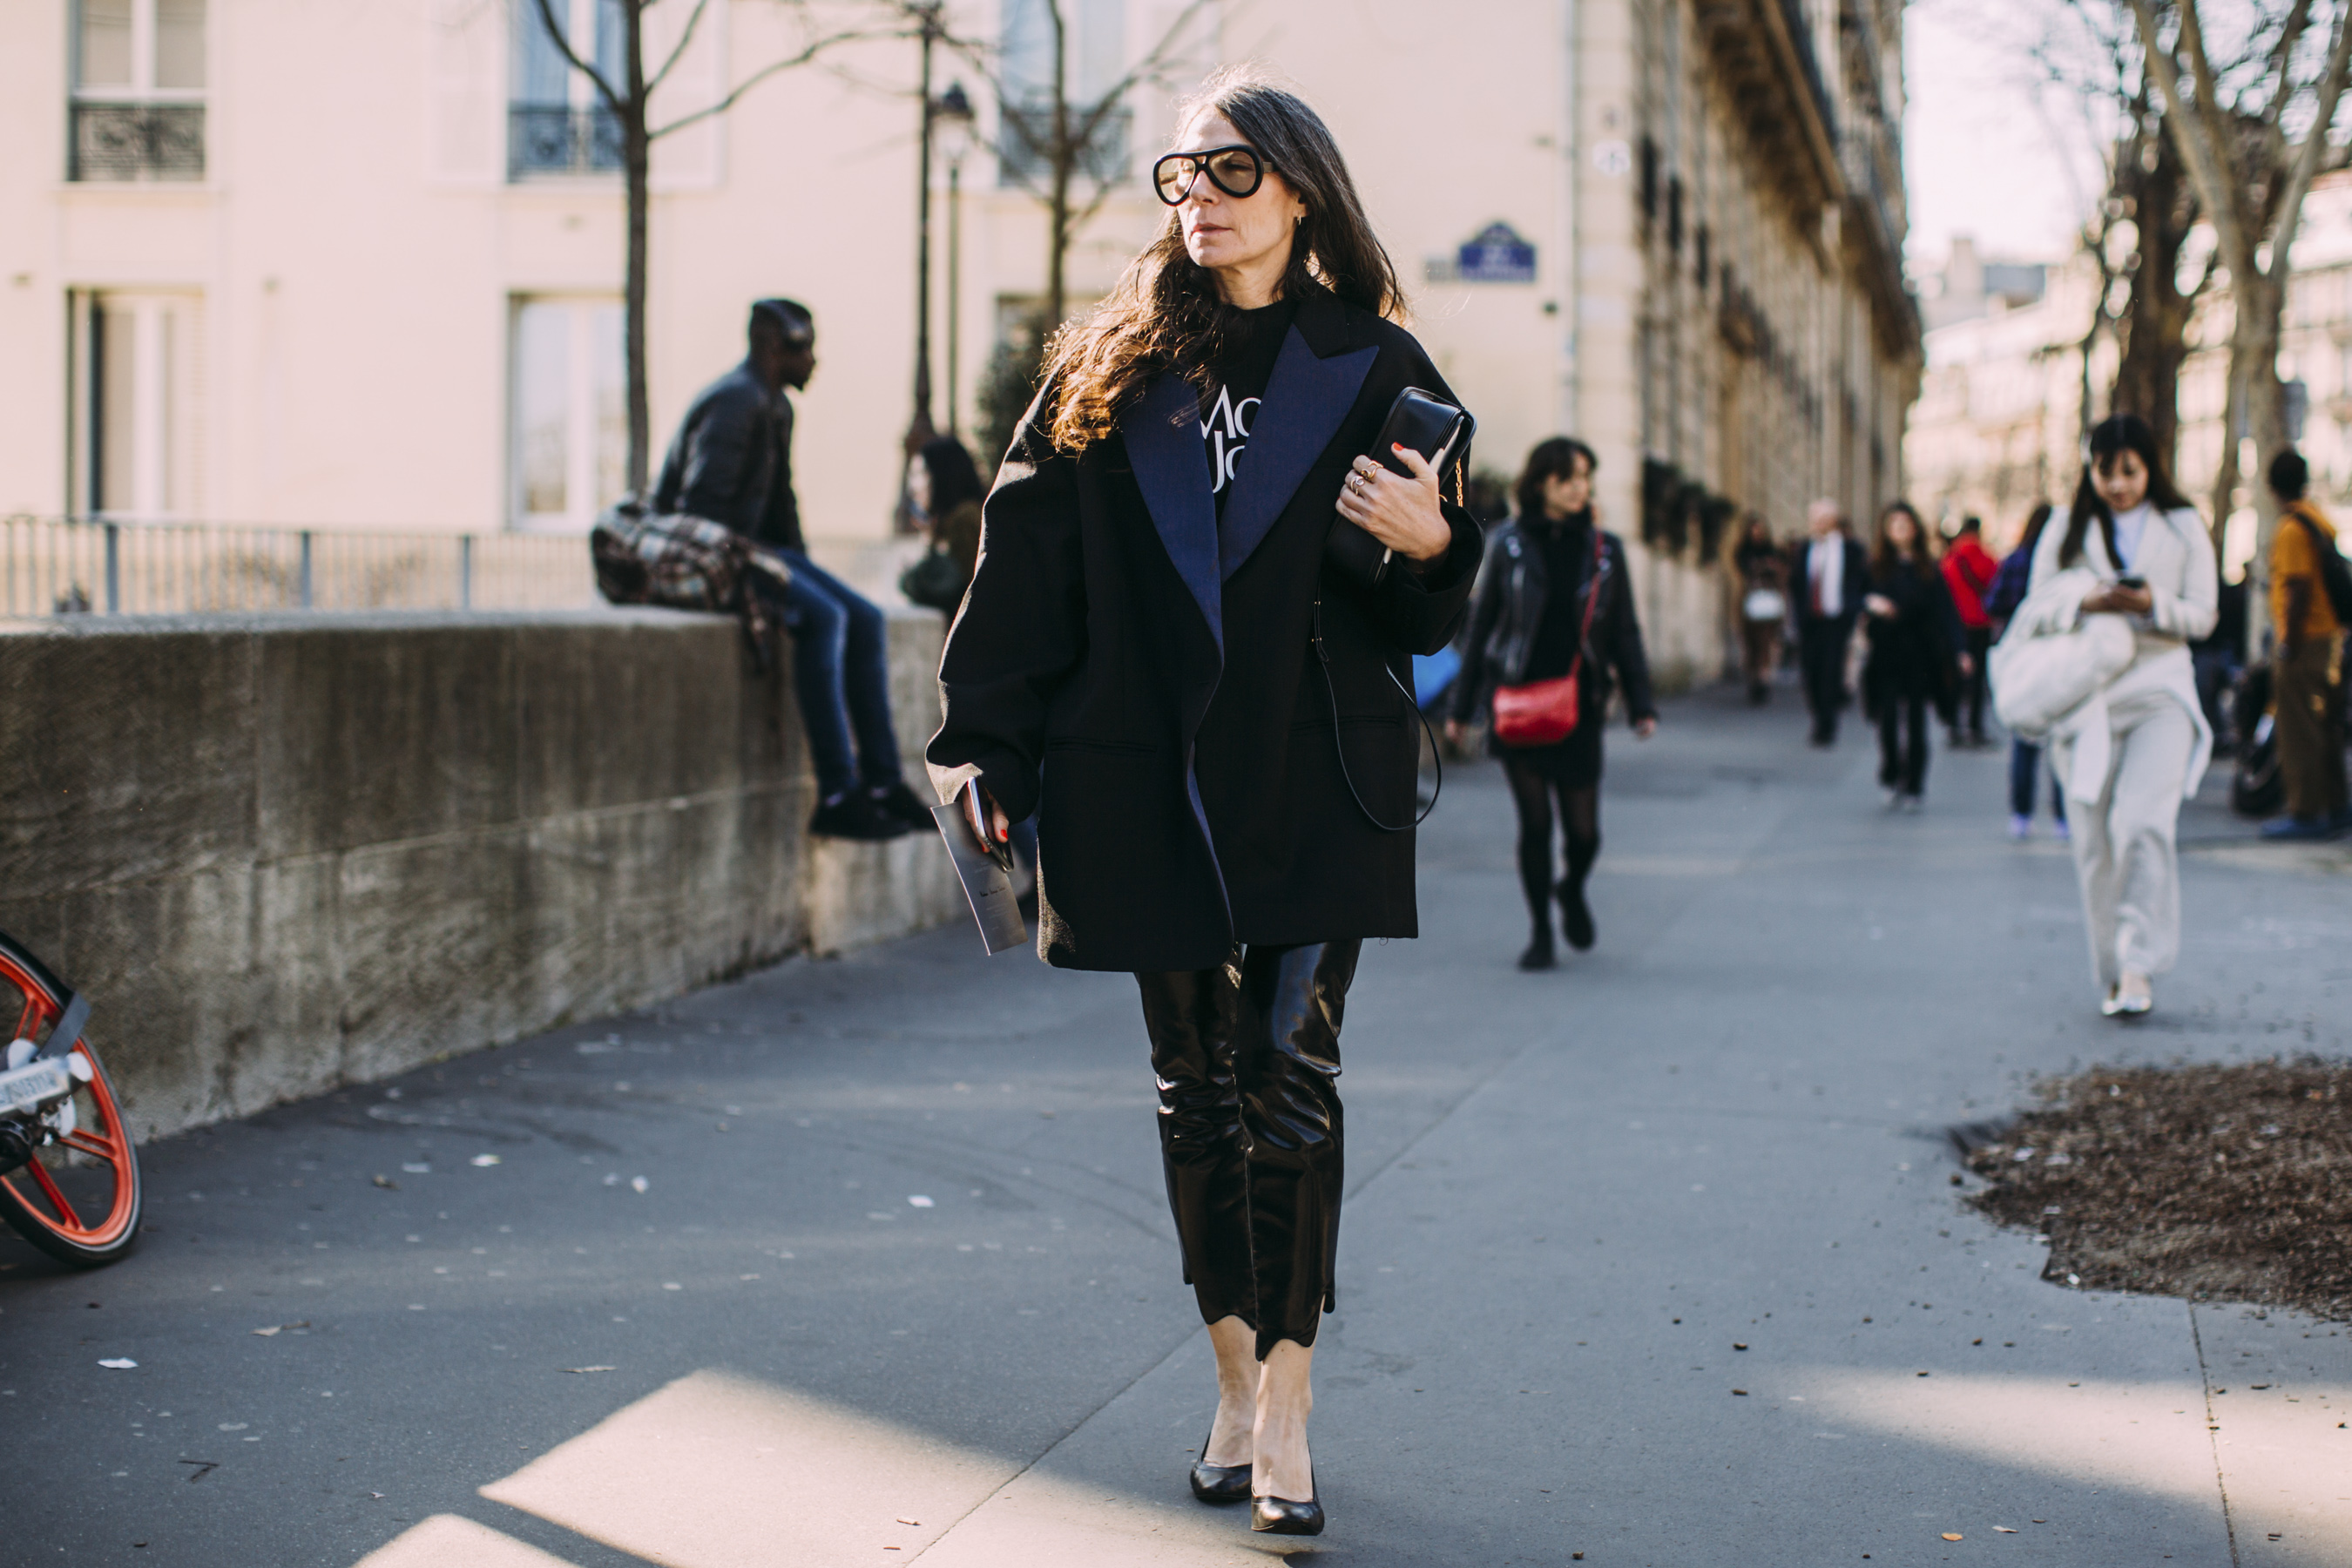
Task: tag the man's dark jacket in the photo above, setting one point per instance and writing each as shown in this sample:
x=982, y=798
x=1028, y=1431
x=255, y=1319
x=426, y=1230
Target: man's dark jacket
x=1853, y=582
x=1143, y=667
x=731, y=461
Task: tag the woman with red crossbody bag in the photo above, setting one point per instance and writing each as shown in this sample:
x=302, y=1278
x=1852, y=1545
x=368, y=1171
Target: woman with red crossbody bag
x=1552, y=631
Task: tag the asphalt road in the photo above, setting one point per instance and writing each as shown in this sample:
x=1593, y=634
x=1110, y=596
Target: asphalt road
x=865, y=1261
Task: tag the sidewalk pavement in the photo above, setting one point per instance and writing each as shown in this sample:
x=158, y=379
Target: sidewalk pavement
x=898, y=1281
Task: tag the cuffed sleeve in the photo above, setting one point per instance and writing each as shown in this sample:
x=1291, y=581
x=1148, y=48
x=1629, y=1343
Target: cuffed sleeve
x=1421, y=606
x=2189, y=614
x=1020, y=633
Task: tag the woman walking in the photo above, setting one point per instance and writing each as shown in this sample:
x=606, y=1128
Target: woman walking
x=1763, y=570
x=1145, y=649
x=1554, y=601
x=2129, y=546
x=1916, y=649
x=943, y=496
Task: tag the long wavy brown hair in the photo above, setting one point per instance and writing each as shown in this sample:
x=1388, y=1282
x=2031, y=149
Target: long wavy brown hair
x=1165, y=314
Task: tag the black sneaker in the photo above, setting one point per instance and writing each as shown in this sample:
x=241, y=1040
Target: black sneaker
x=904, y=805
x=855, y=817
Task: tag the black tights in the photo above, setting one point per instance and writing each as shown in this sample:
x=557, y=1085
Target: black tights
x=1580, y=815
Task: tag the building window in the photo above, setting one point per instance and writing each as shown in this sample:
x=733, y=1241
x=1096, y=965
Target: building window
x=1096, y=57
x=138, y=109
x=137, y=366
x=557, y=122
x=568, y=440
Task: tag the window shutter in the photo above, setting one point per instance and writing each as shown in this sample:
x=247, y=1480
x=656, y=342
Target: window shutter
x=465, y=62
x=693, y=159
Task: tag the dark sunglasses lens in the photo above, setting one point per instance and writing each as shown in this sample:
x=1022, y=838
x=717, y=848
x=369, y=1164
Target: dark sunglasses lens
x=1235, y=172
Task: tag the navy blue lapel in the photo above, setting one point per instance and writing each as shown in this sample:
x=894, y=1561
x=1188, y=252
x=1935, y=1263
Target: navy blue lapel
x=1171, y=468
x=1305, y=399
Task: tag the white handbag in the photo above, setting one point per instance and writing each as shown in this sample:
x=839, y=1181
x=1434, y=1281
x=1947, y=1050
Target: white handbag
x=1764, y=604
x=2038, y=680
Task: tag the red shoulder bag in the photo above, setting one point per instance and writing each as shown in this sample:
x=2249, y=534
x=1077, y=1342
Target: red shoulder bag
x=1544, y=712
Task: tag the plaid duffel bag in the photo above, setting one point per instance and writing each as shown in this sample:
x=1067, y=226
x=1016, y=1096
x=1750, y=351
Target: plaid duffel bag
x=676, y=562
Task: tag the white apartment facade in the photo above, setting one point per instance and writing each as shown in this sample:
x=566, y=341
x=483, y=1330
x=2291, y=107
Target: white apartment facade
x=359, y=267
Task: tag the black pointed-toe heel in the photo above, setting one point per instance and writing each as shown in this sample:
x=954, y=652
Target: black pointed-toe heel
x=1280, y=1516
x=1219, y=1483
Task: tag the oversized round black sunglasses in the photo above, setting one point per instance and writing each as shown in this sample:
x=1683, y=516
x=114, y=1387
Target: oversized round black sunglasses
x=1237, y=171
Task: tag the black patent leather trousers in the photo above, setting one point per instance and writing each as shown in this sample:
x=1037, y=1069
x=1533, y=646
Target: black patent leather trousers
x=1247, y=1055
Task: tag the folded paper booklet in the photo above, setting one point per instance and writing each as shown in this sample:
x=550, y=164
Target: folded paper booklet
x=987, y=882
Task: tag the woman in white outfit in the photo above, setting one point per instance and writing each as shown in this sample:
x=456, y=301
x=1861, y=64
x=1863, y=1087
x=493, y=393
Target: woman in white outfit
x=2130, y=546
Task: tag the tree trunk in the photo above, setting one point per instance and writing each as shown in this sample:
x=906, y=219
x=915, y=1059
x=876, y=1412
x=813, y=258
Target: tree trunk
x=2156, y=322
x=637, y=162
x=2254, y=368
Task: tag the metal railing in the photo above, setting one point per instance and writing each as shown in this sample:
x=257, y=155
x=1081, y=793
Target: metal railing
x=543, y=139
x=56, y=566
x=137, y=142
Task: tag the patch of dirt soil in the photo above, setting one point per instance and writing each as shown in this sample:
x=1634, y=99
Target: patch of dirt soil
x=2211, y=1182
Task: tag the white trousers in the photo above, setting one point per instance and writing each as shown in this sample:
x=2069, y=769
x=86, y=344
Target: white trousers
x=2124, y=853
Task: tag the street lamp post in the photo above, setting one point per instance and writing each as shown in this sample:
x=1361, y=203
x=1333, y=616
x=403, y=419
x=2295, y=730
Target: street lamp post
x=920, y=429
x=952, y=120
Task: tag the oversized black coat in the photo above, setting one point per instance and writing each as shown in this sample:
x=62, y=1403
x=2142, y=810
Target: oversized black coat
x=1140, y=671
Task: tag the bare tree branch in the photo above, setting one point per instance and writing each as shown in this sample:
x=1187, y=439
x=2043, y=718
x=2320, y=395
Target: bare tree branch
x=2306, y=158
x=807, y=52
x=2215, y=188
x=677, y=54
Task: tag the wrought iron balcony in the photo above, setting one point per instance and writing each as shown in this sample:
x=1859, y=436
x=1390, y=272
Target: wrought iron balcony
x=1025, y=143
x=138, y=142
x=545, y=140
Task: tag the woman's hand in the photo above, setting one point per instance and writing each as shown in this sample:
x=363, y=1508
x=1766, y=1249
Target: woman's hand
x=1401, y=512
x=1456, y=731
x=1968, y=664
x=2116, y=599
x=1644, y=728
x=1882, y=606
x=979, y=807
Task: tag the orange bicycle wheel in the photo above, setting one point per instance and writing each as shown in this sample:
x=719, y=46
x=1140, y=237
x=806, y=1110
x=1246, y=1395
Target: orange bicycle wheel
x=77, y=1200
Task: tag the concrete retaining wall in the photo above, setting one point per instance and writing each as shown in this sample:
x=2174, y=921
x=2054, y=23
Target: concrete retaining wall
x=284, y=852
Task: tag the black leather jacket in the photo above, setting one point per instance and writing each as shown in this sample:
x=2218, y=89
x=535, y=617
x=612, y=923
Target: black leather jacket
x=731, y=461
x=1514, y=594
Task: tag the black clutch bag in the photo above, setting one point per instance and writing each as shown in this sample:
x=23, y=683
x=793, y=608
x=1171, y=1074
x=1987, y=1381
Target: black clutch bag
x=1438, y=431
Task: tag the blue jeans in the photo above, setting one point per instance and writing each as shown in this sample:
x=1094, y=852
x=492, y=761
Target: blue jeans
x=841, y=674
x=2024, y=769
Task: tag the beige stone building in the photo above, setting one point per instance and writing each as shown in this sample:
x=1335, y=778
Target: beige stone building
x=337, y=267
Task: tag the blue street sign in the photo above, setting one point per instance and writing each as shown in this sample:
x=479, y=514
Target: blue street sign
x=1496, y=255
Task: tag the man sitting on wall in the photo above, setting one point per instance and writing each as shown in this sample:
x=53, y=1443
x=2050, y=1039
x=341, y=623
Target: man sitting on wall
x=732, y=463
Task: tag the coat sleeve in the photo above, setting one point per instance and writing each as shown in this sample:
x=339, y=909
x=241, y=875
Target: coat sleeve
x=1626, y=654
x=717, y=450
x=1462, y=702
x=1421, y=608
x=2189, y=613
x=1021, y=632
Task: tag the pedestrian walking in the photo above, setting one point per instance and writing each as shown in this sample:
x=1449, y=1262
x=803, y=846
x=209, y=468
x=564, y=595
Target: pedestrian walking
x=2129, y=546
x=1916, y=652
x=1153, y=622
x=2307, y=664
x=2025, y=771
x=1831, y=574
x=1969, y=571
x=1763, y=571
x=731, y=461
x=1555, y=604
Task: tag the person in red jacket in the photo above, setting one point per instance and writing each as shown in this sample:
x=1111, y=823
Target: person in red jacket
x=1968, y=570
